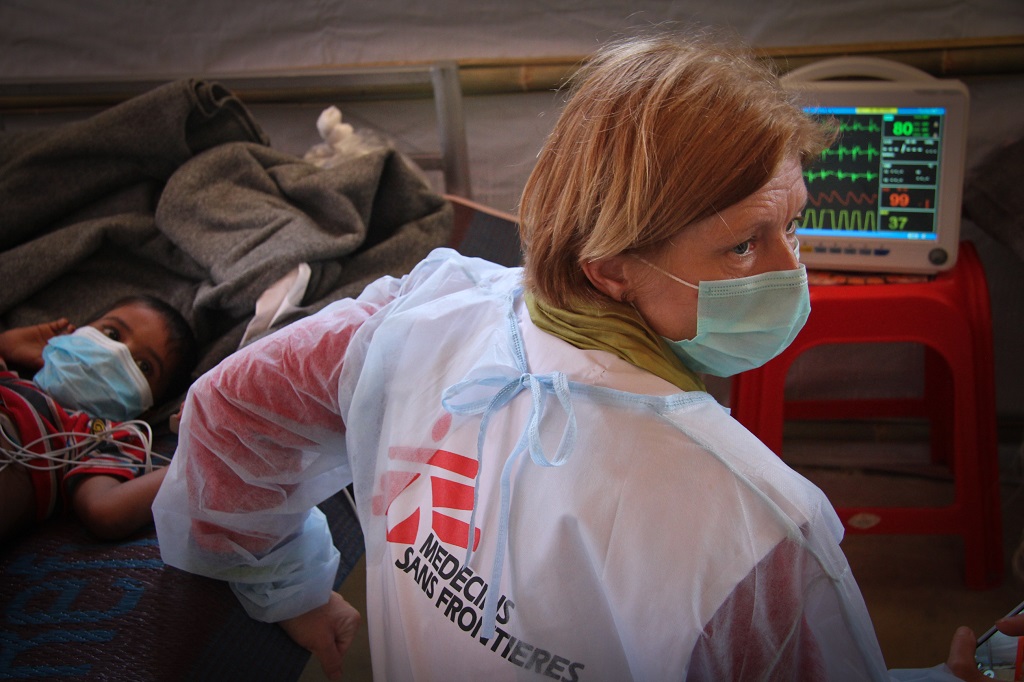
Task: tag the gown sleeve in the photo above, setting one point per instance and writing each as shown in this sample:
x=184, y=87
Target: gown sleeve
x=761, y=631
x=261, y=443
x=785, y=622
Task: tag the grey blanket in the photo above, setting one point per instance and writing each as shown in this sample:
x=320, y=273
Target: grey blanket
x=177, y=193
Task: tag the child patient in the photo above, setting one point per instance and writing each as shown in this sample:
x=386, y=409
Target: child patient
x=85, y=383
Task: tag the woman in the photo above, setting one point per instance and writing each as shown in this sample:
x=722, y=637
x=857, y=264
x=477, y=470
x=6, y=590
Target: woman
x=544, y=488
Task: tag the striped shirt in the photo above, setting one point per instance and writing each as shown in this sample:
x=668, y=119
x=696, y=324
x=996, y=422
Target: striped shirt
x=30, y=418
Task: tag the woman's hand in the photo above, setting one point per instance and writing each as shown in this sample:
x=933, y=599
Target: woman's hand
x=961, y=650
x=961, y=656
x=1012, y=626
x=23, y=346
x=327, y=632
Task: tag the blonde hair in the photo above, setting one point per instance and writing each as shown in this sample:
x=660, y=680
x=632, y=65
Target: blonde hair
x=658, y=132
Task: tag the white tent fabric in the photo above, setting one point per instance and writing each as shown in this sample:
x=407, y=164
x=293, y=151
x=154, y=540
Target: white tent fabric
x=63, y=37
x=110, y=39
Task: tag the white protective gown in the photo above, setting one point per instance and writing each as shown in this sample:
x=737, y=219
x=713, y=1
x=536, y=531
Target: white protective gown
x=621, y=530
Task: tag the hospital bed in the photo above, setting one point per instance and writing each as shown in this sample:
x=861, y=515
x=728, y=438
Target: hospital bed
x=173, y=189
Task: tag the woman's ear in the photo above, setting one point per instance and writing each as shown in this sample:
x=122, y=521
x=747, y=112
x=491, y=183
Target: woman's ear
x=611, y=276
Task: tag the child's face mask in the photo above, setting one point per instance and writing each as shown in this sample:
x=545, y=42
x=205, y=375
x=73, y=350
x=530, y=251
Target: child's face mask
x=91, y=372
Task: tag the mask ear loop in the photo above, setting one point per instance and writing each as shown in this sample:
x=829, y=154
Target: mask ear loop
x=665, y=272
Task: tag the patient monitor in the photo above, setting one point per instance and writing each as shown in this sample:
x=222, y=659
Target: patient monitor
x=886, y=196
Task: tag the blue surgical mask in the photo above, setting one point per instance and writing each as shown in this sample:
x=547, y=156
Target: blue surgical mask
x=745, y=322
x=91, y=372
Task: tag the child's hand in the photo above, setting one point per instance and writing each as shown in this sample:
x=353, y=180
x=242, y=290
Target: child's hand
x=174, y=421
x=327, y=632
x=23, y=346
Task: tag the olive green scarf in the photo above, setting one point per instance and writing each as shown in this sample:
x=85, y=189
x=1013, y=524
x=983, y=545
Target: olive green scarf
x=616, y=328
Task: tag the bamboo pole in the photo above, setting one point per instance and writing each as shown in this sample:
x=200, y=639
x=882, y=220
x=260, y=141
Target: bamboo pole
x=944, y=58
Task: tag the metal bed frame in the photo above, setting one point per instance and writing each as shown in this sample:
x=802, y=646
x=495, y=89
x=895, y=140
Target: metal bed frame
x=438, y=80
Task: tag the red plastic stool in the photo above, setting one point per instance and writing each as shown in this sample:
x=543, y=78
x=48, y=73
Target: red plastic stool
x=950, y=316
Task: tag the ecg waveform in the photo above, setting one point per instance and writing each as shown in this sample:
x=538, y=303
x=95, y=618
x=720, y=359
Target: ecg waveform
x=836, y=197
x=842, y=219
x=814, y=175
x=855, y=126
x=869, y=153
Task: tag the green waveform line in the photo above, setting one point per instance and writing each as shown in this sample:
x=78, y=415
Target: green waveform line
x=842, y=152
x=825, y=174
x=831, y=219
x=858, y=127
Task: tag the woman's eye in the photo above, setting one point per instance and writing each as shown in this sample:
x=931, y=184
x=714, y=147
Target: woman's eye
x=147, y=369
x=742, y=248
x=112, y=333
x=791, y=228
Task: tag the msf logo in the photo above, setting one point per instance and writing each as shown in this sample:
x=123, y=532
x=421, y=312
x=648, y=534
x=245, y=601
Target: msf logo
x=427, y=486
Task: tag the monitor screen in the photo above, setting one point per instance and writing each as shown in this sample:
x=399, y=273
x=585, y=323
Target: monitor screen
x=881, y=179
x=885, y=197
